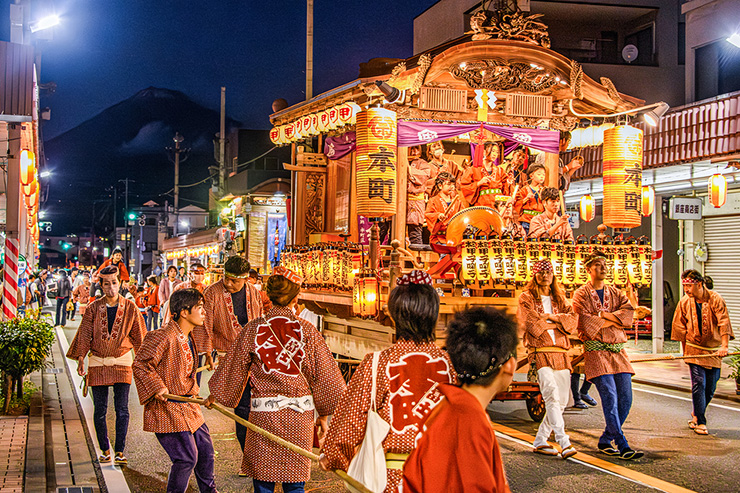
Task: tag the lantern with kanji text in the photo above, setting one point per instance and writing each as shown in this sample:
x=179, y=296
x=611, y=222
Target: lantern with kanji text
x=646, y=260
x=621, y=268
x=568, y=277
x=520, y=261
x=622, y=177
x=365, y=294
x=633, y=261
x=376, y=163
x=508, y=264
x=469, y=254
x=588, y=208
x=583, y=250
x=556, y=258
x=482, y=260
x=533, y=255
x=717, y=190
x=496, y=258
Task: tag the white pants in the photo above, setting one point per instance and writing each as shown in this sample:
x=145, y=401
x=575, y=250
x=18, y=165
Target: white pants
x=555, y=388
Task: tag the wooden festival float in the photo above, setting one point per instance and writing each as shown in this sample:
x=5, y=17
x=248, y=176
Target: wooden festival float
x=499, y=83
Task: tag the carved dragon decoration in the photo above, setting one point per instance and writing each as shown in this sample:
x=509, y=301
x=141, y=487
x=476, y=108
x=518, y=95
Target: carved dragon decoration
x=500, y=75
x=506, y=24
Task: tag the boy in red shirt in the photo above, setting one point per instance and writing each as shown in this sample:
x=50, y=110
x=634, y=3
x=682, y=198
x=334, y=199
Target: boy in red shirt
x=482, y=345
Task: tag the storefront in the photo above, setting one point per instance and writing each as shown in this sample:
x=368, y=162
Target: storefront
x=205, y=247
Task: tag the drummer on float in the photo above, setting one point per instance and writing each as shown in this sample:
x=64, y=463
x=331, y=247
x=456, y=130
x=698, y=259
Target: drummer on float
x=484, y=181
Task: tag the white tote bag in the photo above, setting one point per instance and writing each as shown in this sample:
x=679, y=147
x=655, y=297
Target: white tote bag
x=368, y=464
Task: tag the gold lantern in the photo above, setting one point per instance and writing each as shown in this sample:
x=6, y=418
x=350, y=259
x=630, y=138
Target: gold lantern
x=588, y=208
x=583, y=250
x=508, y=265
x=646, y=261
x=621, y=267
x=306, y=125
x=520, y=261
x=313, y=128
x=648, y=200
x=556, y=258
x=496, y=259
x=366, y=292
x=31, y=188
x=357, y=296
x=469, y=254
x=533, y=255
x=376, y=163
x=482, y=260
x=633, y=262
x=622, y=177
x=568, y=277
x=28, y=167
x=608, y=249
x=323, y=122
x=717, y=190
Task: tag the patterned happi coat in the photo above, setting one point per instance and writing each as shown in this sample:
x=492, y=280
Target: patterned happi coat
x=407, y=376
x=715, y=323
x=536, y=333
x=165, y=360
x=298, y=364
x=128, y=332
x=183, y=285
x=221, y=326
x=587, y=305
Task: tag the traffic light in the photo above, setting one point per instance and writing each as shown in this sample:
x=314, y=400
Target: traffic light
x=131, y=216
x=66, y=246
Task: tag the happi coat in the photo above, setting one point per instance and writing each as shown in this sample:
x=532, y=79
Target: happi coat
x=165, y=360
x=484, y=195
x=539, y=227
x=715, y=322
x=419, y=173
x=81, y=295
x=587, y=305
x=93, y=337
x=183, y=285
x=457, y=449
x=525, y=210
x=537, y=337
x=287, y=359
x=221, y=325
x=437, y=206
x=407, y=375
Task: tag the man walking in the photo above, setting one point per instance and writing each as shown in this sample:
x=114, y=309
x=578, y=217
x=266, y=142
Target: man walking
x=702, y=325
x=64, y=291
x=603, y=314
x=110, y=328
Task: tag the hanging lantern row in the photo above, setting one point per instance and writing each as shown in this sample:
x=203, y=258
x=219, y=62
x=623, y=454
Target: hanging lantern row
x=590, y=136
x=717, y=190
x=325, y=266
x=492, y=261
x=315, y=123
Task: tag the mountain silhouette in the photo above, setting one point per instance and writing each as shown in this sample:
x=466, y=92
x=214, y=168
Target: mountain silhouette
x=128, y=140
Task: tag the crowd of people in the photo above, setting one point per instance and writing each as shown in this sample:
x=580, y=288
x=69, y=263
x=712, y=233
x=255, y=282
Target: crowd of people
x=413, y=400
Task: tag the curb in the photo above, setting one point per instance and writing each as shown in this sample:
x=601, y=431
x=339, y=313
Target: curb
x=35, y=469
x=668, y=386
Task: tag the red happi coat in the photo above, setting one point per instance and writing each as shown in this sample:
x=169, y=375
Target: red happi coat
x=128, y=332
x=536, y=333
x=407, y=372
x=183, y=285
x=715, y=323
x=587, y=305
x=298, y=364
x=165, y=360
x=221, y=326
x=457, y=451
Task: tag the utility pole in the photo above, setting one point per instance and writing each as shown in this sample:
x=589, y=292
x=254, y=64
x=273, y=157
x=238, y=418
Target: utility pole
x=127, y=238
x=175, y=158
x=309, y=49
x=222, y=146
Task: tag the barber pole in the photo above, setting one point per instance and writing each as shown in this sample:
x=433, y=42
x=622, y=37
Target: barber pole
x=10, y=286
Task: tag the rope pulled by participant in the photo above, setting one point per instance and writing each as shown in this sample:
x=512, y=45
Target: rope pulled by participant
x=270, y=436
x=670, y=357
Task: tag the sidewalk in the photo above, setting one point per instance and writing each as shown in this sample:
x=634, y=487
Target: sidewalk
x=674, y=375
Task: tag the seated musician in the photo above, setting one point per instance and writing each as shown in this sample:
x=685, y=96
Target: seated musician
x=528, y=203
x=482, y=183
x=549, y=224
x=511, y=226
x=438, y=163
x=444, y=203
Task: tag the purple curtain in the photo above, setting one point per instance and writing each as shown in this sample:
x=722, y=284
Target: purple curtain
x=418, y=133
x=339, y=145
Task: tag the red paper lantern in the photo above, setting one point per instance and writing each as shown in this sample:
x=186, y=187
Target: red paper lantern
x=28, y=167
x=31, y=188
x=648, y=200
x=588, y=208
x=717, y=190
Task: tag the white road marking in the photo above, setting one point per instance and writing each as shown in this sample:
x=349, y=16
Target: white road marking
x=112, y=474
x=720, y=406
x=529, y=446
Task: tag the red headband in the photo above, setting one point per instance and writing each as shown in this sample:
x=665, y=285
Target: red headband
x=542, y=266
x=288, y=274
x=414, y=277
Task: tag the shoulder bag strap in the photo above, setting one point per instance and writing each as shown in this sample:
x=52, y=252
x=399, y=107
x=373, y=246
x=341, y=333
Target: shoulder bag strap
x=374, y=391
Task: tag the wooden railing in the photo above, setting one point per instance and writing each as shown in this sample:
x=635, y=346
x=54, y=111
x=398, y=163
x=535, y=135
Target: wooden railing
x=703, y=130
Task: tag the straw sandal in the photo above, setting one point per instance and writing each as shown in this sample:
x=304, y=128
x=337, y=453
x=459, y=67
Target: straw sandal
x=568, y=451
x=120, y=459
x=545, y=450
x=104, y=457
x=692, y=424
x=701, y=430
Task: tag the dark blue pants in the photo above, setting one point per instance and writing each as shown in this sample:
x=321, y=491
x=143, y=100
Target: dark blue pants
x=120, y=401
x=703, y=385
x=189, y=452
x=616, y=400
x=575, y=379
x=268, y=487
x=242, y=410
x=152, y=320
x=62, y=309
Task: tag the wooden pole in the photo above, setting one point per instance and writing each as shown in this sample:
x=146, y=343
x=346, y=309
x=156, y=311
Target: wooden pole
x=670, y=357
x=270, y=436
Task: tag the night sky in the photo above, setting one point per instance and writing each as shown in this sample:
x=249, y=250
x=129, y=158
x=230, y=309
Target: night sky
x=106, y=50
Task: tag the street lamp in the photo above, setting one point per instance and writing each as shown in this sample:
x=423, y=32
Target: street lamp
x=45, y=23
x=45, y=174
x=734, y=39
